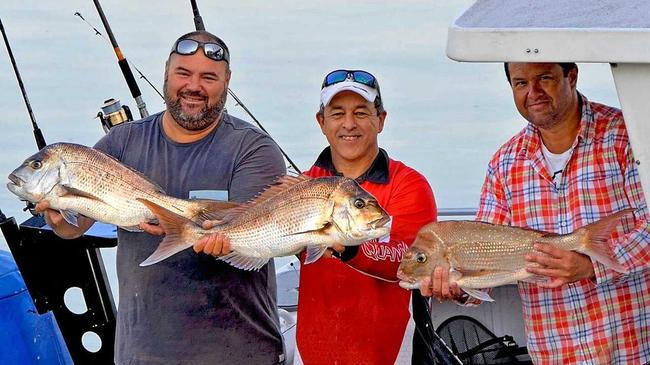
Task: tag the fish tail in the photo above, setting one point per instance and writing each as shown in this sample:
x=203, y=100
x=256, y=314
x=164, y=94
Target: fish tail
x=595, y=237
x=175, y=227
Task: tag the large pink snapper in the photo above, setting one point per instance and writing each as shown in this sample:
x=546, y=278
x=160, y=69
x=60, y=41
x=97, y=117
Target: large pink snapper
x=482, y=255
x=296, y=214
x=76, y=179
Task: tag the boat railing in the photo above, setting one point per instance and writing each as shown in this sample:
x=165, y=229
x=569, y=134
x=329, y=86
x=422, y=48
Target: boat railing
x=453, y=213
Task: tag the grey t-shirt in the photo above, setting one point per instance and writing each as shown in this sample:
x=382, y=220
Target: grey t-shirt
x=192, y=308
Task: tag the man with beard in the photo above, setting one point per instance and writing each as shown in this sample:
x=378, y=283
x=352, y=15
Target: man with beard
x=192, y=309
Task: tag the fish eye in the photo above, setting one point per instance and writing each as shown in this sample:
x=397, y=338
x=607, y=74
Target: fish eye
x=359, y=203
x=36, y=164
x=421, y=257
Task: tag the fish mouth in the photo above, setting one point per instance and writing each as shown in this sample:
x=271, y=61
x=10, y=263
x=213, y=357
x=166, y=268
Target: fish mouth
x=407, y=281
x=15, y=180
x=379, y=222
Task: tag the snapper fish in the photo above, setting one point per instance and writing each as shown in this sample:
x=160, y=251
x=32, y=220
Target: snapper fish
x=76, y=179
x=297, y=213
x=482, y=255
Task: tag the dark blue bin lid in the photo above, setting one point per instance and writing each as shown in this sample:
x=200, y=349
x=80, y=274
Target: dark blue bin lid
x=11, y=282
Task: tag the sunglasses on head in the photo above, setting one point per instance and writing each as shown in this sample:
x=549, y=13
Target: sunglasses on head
x=213, y=51
x=359, y=76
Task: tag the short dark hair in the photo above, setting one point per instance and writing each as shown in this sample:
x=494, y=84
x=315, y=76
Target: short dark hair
x=566, y=68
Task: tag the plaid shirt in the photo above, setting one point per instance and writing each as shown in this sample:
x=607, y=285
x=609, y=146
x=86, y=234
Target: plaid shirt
x=601, y=321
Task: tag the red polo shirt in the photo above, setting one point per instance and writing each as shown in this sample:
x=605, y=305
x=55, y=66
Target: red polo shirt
x=352, y=311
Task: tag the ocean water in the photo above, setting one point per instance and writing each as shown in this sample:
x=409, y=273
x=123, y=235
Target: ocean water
x=445, y=118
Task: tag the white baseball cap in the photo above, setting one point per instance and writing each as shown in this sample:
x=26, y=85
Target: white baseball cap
x=367, y=92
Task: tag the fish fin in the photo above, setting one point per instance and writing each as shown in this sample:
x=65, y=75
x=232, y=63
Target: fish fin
x=535, y=279
x=323, y=229
x=314, y=253
x=282, y=184
x=70, y=217
x=479, y=278
x=157, y=188
x=213, y=210
x=215, y=219
x=174, y=226
x=478, y=294
x=132, y=229
x=68, y=190
x=595, y=237
x=301, y=232
x=243, y=262
x=527, y=277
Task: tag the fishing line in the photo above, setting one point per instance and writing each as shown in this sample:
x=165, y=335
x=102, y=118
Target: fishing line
x=442, y=352
x=417, y=330
x=370, y=275
x=142, y=76
x=439, y=350
x=241, y=104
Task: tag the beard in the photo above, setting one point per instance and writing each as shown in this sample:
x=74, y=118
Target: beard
x=201, y=120
x=546, y=122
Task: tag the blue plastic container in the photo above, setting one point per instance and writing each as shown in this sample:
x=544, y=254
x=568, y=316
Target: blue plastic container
x=25, y=336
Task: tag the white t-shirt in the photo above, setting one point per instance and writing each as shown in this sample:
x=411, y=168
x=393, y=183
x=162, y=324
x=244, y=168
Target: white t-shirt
x=555, y=162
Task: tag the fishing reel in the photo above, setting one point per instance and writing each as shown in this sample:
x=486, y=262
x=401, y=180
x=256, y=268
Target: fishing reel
x=113, y=113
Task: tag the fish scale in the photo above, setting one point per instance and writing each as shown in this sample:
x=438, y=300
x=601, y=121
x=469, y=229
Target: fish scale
x=482, y=255
x=297, y=213
x=254, y=238
x=479, y=246
x=81, y=180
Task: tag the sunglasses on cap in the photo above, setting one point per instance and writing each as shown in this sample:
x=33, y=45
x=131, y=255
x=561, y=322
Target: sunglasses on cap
x=211, y=50
x=359, y=76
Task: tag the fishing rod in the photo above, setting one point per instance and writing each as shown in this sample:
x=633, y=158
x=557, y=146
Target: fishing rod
x=142, y=76
x=240, y=103
x=124, y=65
x=198, y=24
x=198, y=21
x=38, y=135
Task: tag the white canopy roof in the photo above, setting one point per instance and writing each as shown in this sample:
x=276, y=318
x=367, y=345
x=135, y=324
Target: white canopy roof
x=545, y=30
x=604, y=31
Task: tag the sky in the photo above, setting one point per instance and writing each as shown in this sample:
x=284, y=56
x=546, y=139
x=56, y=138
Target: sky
x=445, y=118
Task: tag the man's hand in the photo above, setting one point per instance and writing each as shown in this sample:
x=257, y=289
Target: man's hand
x=330, y=252
x=216, y=244
x=561, y=266
x=52, y=217
x=153, y=229
x=63, y=229
x=439, y=287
